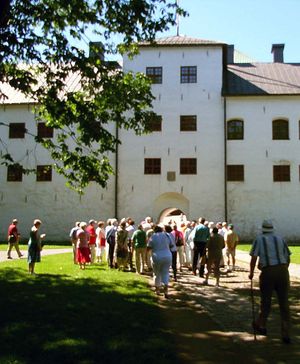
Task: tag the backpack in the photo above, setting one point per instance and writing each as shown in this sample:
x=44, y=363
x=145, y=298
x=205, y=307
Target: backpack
x=178, y=240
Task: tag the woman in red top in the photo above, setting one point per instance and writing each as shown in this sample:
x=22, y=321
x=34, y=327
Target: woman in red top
x=83, y=250
x=90, y=229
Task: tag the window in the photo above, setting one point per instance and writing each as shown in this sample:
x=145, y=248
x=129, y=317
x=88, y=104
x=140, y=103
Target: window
x=155, y=74
x=17, y=130
x=280, y=129
x=235, y=173
x=188, y=123
x=235, y=130
x=152, y=166
x=14, y=173
x=188, y=165
x=188, y=74
x=155, y=123
x=281, y=174
x=44, y=173
x=44, y=131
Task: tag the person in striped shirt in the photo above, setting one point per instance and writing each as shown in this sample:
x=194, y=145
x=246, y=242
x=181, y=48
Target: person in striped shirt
x=274, y=259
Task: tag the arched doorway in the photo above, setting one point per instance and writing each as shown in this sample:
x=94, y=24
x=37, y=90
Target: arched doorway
x=172, y=214
x=171, y=205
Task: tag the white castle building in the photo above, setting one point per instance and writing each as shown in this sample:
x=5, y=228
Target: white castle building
x=225, y=146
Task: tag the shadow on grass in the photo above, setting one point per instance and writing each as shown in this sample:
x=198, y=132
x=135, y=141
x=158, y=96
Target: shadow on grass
x=232, y=340
x=55, y=319
x=77, y=319
x=274, y=350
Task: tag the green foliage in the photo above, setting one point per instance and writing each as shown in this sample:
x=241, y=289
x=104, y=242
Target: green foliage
x=295, y=250
x=81, y=95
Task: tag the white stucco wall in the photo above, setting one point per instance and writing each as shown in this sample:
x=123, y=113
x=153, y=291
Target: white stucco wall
x=258, y=197
x=139, y=193
x=56, y=205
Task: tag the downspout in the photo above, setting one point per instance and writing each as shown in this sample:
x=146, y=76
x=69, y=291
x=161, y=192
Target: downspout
x=117, y=172
x=225, y=161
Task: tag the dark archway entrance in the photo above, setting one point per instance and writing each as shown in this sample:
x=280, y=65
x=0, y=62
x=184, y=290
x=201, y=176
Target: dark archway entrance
x=172, y=214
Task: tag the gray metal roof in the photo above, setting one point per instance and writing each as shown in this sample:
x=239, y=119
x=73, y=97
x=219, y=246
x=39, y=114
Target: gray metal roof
x=263, y=79
x=180, y=40
x=13, y=96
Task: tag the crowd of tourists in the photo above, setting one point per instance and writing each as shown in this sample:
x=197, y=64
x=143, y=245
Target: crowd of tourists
x=161, y=248
x=191, y=244
x=129, y=247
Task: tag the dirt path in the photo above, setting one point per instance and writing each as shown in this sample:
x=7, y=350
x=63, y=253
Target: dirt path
x=213, y=325
x=3, y=255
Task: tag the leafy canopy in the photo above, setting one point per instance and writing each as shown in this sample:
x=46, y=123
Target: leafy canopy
x=80, y=95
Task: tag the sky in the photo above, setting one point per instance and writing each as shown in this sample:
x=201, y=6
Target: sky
x=251, y=25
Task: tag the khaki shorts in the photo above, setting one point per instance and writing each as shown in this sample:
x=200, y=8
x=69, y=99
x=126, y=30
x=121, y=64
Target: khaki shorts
x=230, y=252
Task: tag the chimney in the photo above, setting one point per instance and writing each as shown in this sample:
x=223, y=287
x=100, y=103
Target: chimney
x=230, y=53
x=96, y=49
x=277, y=50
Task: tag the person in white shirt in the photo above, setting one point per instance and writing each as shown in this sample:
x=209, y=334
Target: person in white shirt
x=274, y=259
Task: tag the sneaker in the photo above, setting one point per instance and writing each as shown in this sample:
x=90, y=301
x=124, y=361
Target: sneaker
x=9, y=257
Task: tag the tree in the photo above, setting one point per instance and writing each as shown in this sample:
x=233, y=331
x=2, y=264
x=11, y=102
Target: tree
x=39, y=53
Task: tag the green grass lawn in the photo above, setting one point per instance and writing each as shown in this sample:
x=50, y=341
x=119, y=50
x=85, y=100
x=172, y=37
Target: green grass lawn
x=295, y=250
x=65, y=315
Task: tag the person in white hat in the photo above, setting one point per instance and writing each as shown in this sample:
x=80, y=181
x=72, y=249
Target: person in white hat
x=274, y=259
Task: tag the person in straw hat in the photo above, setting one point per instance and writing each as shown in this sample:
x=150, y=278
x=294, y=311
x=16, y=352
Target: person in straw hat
x=274, y=259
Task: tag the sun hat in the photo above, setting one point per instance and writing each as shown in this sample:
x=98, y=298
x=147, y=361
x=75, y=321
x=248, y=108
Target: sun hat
x=267, y=226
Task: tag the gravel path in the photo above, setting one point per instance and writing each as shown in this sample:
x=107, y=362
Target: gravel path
x=229, y=305
x=214, y=324
x=3, y=255
x=229, y=309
